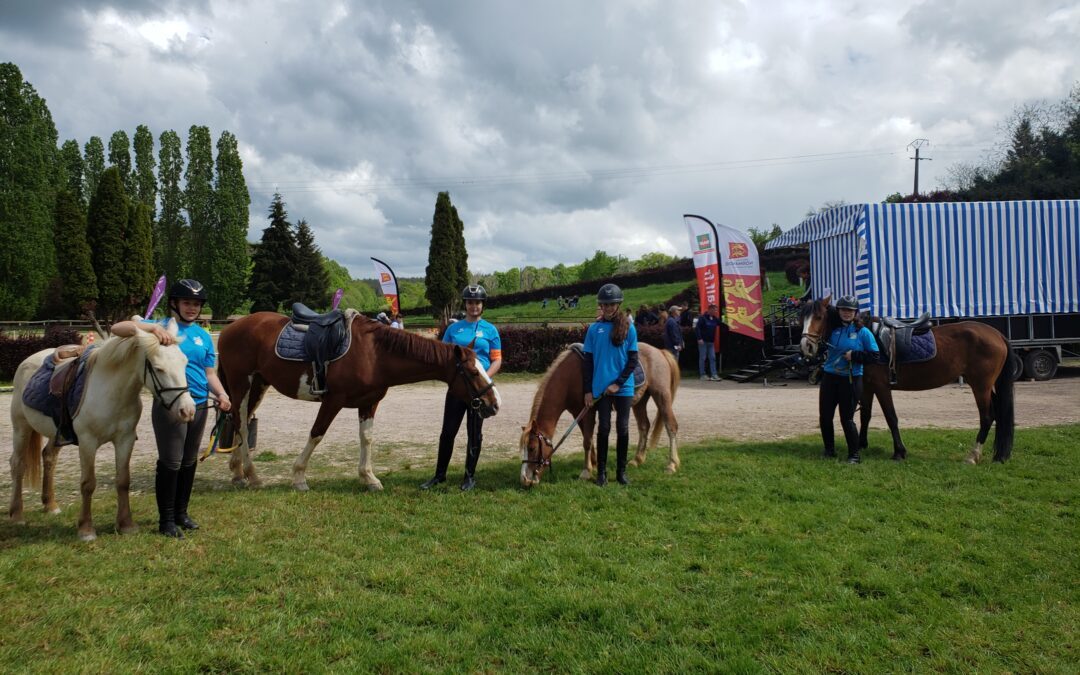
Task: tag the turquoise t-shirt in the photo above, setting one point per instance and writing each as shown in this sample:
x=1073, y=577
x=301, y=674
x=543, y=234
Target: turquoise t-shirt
x=488, y=345
x=845, y=339
x=198, y=347
x=608, y=359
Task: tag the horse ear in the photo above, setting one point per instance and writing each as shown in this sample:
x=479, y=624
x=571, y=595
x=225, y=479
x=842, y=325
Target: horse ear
x=172, y=327
x=827, y=299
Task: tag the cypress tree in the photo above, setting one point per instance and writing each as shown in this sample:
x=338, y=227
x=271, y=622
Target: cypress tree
x=461, y=255
x=441, y=276
x=93, y=167
x=199, y=200
x=106, y=228
x=273, y=270
x=172, y=243
x=312, y=286
x=77, y=279
x=29, y=175
x=145, y=182
x=138, y=256
x=120, y=157
x=71, y=158
x=229, y=262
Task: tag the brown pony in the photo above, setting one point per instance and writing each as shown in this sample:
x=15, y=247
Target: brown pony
x=561, y=389
x=378, y=357
x=968, y=349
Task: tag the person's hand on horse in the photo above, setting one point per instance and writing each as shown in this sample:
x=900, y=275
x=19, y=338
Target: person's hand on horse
x=223, y=402
x=161, y=334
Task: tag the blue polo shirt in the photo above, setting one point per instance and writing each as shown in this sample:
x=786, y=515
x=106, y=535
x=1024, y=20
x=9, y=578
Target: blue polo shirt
x=198, y=347
x=488, y=345
x=608, y=359
x=845, y=339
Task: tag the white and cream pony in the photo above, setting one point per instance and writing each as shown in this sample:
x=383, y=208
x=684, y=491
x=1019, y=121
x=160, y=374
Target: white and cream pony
x=117, y=371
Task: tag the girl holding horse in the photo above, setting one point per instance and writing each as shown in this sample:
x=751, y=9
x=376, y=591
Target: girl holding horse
x=850, y=345
x=483, y=338
x=179, y=443
x=611, y=355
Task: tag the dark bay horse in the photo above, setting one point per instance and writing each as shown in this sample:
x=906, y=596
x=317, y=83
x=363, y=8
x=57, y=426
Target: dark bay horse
x=968, y=349
x=561, y=390
x=378, y=357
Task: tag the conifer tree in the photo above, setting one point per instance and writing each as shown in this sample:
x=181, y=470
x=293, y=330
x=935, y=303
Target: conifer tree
x=441, y=277
x=145, y=182
x=172, y=243
x=229, y=252
x=120, y=157
x=29, y=177
x=71, y=158
x=138, y=256
x=77, y=280
x=199, y=200
x=461, y=255
x=93, y=166
x=106, y=228
x=312, y=284
x=273, y=270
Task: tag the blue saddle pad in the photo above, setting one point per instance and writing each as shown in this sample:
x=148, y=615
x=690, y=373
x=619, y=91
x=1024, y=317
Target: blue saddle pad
x=923, y=348
x=36, y=394
x=292, y=345
x=639, y=371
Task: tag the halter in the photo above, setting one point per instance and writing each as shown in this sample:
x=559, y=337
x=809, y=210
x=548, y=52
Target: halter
x=475, y=402
x=160, y=391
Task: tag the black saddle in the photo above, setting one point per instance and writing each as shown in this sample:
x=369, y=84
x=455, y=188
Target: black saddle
x=324, y=340
x=906, y=341
x=917, y=326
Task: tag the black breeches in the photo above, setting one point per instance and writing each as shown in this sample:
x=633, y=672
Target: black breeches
x=177, y=444
x=454, y=410
x=839, y=391
x=622, y=422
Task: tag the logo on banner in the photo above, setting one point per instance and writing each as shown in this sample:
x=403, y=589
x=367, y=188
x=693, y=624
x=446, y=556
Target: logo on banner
x=737, y=249
x=384, y=277
x=703, y=243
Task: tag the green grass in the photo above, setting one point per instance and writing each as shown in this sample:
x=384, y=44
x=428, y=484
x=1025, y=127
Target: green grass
x=754, y=558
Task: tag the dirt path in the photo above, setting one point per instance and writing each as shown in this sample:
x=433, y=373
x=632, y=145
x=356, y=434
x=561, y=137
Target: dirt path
x=408, y=421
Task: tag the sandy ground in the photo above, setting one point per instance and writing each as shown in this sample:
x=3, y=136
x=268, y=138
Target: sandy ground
x=408, y=421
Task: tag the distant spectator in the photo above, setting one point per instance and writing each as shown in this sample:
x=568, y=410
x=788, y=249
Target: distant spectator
x=383, y=319
x=396, y=321
x=673, y=339
x=707, y=326
x=543, y=305
x=686, y=320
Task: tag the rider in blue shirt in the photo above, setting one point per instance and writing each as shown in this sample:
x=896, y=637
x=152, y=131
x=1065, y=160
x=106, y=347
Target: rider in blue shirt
x=850, y=345
x=611, y=355
x=483, y=337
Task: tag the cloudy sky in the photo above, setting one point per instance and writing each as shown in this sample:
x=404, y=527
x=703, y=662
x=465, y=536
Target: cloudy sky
x=558, y=127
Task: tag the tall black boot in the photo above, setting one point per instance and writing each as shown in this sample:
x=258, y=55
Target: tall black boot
x=601, y=461
x=472, y=456
x=185, y=480
x=165, y=491
x=621, y=448
x=440, y=468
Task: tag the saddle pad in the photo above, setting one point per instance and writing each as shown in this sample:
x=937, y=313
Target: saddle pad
x=290, y=341
x=923, y=348
x=37, y=396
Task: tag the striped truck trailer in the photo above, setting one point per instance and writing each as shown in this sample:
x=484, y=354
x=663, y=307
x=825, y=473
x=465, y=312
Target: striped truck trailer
x=1014, y=265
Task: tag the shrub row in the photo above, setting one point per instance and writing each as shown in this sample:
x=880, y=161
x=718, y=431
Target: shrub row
x=15, y=348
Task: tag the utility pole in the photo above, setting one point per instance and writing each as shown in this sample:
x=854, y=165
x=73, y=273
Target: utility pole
x=917, y=144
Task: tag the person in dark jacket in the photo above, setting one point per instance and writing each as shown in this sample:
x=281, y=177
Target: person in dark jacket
x=850, y=345
x=673, y=339
x=707, y=325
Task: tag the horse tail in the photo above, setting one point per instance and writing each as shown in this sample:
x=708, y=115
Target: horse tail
x=1004, y=411
x=31, y=458
x=673, y=384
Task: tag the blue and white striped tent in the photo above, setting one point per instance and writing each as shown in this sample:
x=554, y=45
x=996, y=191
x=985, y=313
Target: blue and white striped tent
x=950, y=259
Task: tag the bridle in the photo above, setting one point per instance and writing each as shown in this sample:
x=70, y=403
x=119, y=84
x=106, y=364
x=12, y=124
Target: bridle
x=542, y=462
x=810, y=336
x=475, y=400
x=160, y=391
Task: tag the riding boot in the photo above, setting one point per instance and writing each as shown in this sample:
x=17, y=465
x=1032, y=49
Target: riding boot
x=853, y=457
x=165, y=491
x=184, y=482
x=446, y=451
x=472, y=455
x=601, y=461
x=828, y=453
x=621, y=449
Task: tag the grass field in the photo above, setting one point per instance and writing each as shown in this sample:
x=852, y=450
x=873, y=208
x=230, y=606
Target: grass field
x=754, y=558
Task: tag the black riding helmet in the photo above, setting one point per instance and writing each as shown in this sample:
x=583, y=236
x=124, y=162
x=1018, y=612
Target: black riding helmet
x=609, y=294
x=474, y=292
x=848, y=302
x=185, y=289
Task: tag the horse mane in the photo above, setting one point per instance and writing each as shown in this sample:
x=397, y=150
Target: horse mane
x=118, y=350
x=399, y=341
x=545, y=379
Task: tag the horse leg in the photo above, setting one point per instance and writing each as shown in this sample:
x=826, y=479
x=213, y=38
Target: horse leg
x=367, y=474
x=242, y=467
x=327, y=412
x=866, y=411
x=123, y=447
x=20, y=438
x=884, y=397
x=981, y=392
x=641, y=416
x=672, y=425
x=48, y=477
x=587, y=435
x=88, y=484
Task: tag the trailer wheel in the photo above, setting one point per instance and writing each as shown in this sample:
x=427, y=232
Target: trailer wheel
x=1015, y=366
x=1040, y=365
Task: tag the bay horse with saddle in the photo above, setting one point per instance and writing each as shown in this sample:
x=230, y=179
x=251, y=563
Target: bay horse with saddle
x=921, y=357
x=341, y=360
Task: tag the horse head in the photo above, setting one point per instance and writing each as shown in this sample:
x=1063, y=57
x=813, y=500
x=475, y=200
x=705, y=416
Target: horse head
x=536, y=452
x=472, y=383
x=165, y=375
x=815, y=318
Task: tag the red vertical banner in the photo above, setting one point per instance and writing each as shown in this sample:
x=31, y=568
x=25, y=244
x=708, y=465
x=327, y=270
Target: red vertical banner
x=742, y=283
x=388, y=283
x=703, y=249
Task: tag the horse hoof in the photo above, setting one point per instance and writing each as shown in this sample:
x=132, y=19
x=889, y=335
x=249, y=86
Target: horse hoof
x=898, y=458
x=88, y=536
x=239, y=482
x=128, y=529
x=585, y=475
x=17, y=520
x=301, y=487
x=637, y=461
x=671, y=468
x=254, y=483
x=374, y=487
x=971, y=460
x=54, y=511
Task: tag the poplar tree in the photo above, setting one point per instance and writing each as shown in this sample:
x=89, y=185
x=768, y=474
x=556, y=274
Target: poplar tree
x=138, y=270
x=172, y=243
x=145, y=182
x=93, y=167
x=312, y=284
x=199, y=201
x=106, y=226
x=78, y=283
x=120, y=157
x=273, y=269
x=441, y=277
x=29, y=176
x=229, y=262
x=71, y=158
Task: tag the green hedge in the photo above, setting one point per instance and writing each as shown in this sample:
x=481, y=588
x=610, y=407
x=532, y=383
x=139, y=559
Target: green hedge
x=15, y=348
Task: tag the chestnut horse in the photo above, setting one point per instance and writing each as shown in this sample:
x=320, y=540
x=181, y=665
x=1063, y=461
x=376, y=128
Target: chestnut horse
x=116, y=372
x=968, y=349
x=561, y=390
x=378, y=357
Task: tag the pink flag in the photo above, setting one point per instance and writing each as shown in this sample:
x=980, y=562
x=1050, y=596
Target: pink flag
x=337, y=298
x=155, y=296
